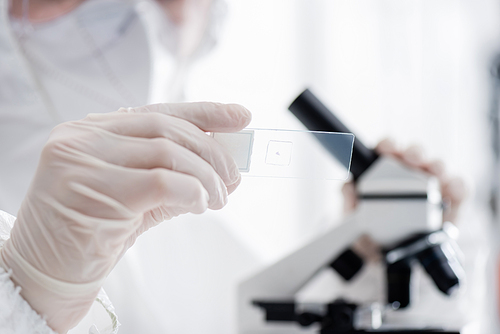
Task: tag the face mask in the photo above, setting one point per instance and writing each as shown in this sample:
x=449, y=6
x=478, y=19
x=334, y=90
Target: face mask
x=99, y=23
x=96, y=56
x=41, y=10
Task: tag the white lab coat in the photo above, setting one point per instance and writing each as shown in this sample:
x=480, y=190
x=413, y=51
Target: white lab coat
x=16, y=315
x=197, y=260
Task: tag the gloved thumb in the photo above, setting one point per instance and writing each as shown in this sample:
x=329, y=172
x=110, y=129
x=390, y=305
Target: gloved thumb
x=208, y=116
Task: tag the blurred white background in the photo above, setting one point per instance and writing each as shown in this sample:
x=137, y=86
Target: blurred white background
x=414, y=70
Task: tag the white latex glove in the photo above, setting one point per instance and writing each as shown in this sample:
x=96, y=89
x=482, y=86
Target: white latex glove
x=103, y=181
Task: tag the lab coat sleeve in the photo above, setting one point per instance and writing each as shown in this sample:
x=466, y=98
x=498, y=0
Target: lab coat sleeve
x=17, y=316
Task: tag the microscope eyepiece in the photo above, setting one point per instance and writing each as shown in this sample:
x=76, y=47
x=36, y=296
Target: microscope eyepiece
x=317, y=117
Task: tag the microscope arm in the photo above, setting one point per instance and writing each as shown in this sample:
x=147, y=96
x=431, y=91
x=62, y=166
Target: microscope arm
x=282, y=280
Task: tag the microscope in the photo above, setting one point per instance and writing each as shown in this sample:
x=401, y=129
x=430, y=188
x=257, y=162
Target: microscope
x=399, y=208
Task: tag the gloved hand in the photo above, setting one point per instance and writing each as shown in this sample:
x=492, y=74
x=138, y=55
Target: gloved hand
x=453, y=190
x=104, y=180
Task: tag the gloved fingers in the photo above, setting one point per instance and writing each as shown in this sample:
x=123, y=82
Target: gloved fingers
x=146, y=153
x=413, y=156
x=436, y=168
x=455, y=189
x=232, y=187
x=164, y=153
x=387, y=146
x=151, y=219
x=142, y=190
x=350, y=197
x=156, y=125
x=208, y=116
x=454, y=192
x=159, y=186
x=368, y=249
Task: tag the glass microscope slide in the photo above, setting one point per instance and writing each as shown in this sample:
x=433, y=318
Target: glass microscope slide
x=289, y=153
